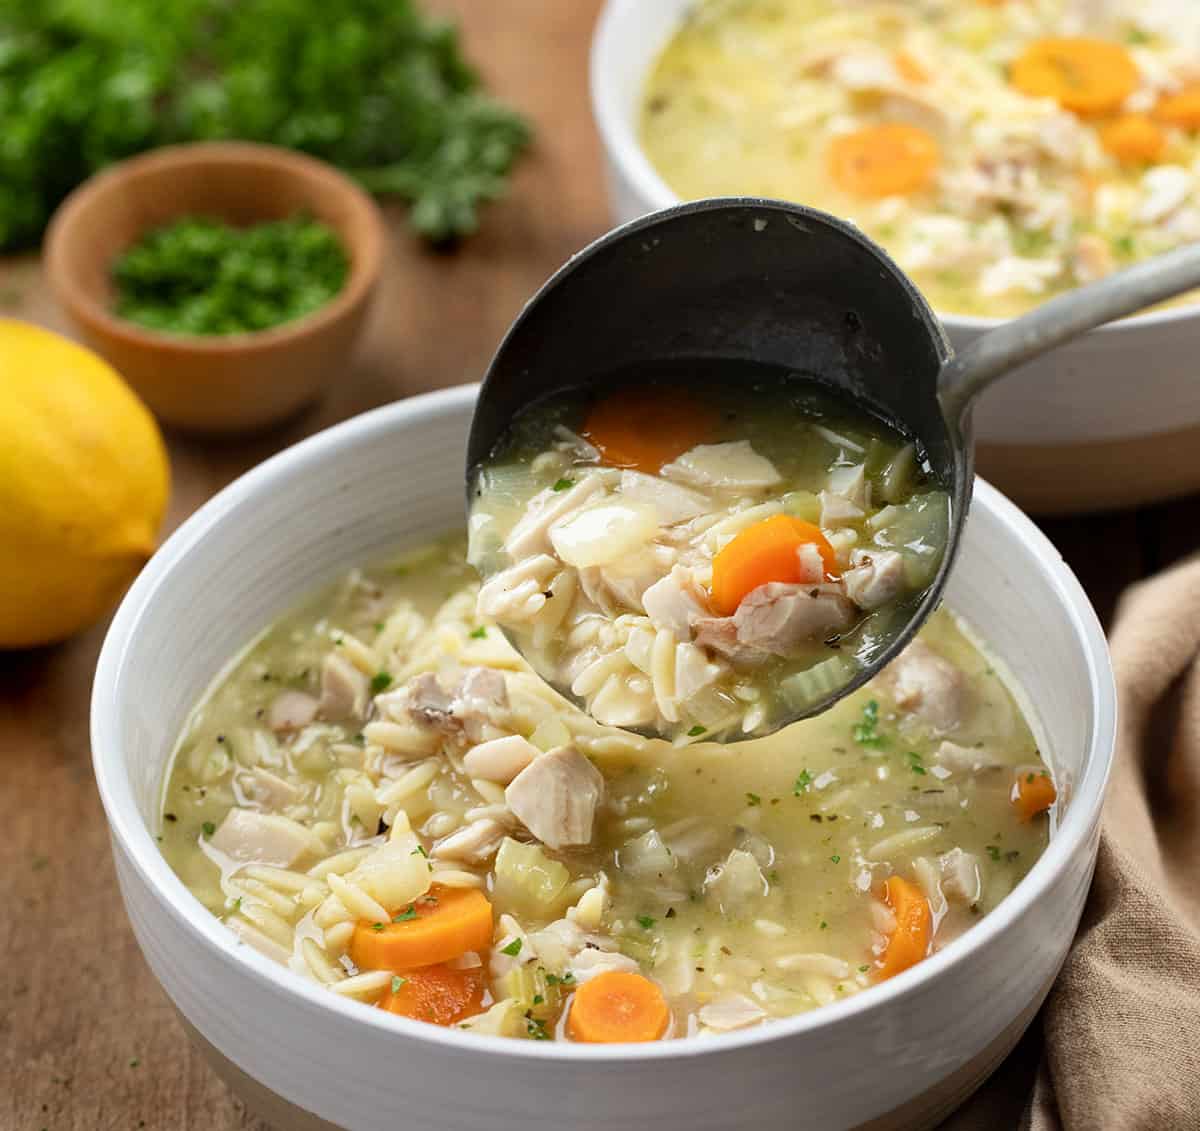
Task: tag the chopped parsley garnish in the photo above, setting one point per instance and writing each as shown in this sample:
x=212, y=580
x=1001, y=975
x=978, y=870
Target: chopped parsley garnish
x=753, y=799
x=867, y=733
x=397, y=982
x=992, y=851
x=563, y=484
x=803, y=783
x=824, y=925
x=696, y=731
x=536, y=1029
x=513, y=948
x=380, y=681
x=134, y=1062
x=410, y=912
x=914, y=762
x=376, y=926
x=557, y=979
x=863, y=969
x=836, y=859
x=209, y=828
x=478, y=633
x=418, y=851
x=645, y=922
x=538, y=999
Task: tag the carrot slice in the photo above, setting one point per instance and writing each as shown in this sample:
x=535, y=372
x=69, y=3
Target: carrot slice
x=437, y=927
x=440, y=995
x=618, y=1006
x=909, y=942
x=1181, y=108
x=766, y=551
x=646, y=428
x=1088, y=76
x=1134, y=139
x=1033, y=792
x=890, y=159
x=909, y=68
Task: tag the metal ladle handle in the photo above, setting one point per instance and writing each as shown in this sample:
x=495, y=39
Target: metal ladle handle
x=1000, y=351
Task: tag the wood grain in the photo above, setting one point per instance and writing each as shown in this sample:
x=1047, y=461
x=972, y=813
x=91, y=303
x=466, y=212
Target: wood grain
x=87, y=1040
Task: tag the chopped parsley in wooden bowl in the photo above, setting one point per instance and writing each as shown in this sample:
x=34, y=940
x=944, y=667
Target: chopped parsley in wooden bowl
x=200, y=275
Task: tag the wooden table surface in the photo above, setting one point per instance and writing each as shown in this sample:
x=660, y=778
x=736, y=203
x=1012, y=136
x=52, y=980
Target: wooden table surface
x=89, y=1041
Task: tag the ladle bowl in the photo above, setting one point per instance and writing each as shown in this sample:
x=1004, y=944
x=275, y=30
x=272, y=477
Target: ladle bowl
x=745, y=279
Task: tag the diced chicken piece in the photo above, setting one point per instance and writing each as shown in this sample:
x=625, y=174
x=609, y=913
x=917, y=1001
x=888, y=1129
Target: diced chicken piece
x=531, y=534
x=927, y=686
x=673, y=502
x=1164, y=189
x=264, y=838
x=501, y=759
x=730, y=466
x=720, y=635
x=731, y=1011
x=967, y=759
x=588, y=963
x=291, y=710
x=961, y=880
x=478, y=841
x=519, y=592
x=674, y=602
x=620, y=584
x=693, y=671
x=852, y=484
x=556, y=796
x=875, y=577
x=837, y=510
x=267, y=789
x=345, y=691
x=736, y=881
x=580, y=450
x=605, y=533
x=777, y=617
x=1019, y=273
x=480, y=696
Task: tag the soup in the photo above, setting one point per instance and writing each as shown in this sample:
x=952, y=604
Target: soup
x=382, y=796
x=1002, y=152
x=697, y=561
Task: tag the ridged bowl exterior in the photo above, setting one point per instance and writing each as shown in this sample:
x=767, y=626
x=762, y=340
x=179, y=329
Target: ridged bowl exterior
x=898, y=1056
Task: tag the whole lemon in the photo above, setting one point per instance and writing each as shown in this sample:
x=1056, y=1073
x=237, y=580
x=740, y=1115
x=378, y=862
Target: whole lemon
x=84, y=480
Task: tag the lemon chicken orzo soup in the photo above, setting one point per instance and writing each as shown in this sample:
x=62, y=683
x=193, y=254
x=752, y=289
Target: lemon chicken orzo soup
x=382, y=796
x=1001, y=150
x=711, y=558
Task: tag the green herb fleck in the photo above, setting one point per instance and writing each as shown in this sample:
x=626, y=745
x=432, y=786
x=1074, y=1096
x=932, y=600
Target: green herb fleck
x=134, y=1062
x=824, y=925
x=803, y=783
x=381, y=681
x=538, y=999
x=563, y=484
x=479, y=633
x=418, y=851
x=753, y=799
x=536, y=1029
x=209, y=828
x=377, y=927
x=866, y=733
x=696, y=731
x=397, y=982
x=645, y=922
x=913, y=759
x=410, y=912
x=863, y=969
x=513, y=948
x=992, y=851
x=836, y=859
x=237, y=904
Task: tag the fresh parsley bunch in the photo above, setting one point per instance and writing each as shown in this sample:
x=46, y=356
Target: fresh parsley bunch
x=373, y=86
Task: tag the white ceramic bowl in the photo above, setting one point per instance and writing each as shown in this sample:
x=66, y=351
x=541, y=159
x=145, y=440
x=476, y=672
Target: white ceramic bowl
x=897, y=1056
x=1112, y=419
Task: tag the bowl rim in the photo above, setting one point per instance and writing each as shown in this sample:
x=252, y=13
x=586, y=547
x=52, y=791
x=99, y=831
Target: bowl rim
x=621, y=146
x=136, y=842
x=366, y=255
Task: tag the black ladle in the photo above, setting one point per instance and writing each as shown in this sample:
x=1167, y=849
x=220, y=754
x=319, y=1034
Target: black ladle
x=752, y=280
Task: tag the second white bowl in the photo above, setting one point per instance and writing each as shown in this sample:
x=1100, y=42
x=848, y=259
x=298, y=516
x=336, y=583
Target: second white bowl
x=1112, y=419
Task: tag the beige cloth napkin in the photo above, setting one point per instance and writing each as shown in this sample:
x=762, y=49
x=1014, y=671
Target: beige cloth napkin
x=1117, y=1044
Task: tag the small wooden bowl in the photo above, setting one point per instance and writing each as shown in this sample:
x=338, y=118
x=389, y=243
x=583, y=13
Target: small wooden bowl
x=231, y=382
